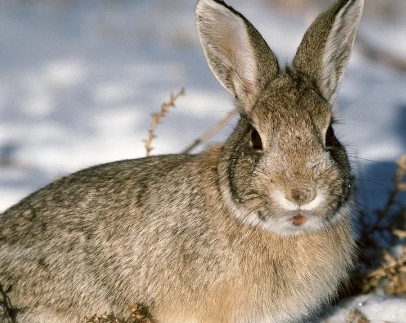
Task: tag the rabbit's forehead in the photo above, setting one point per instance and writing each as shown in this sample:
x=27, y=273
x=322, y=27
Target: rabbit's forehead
x=283, y=107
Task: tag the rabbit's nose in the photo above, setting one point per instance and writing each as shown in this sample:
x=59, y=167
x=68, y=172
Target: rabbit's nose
x=301, y=195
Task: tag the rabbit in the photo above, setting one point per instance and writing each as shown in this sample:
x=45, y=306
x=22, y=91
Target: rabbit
x=257, y=229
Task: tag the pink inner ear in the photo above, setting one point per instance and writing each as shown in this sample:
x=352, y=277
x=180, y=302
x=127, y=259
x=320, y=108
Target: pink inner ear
x=230, y=36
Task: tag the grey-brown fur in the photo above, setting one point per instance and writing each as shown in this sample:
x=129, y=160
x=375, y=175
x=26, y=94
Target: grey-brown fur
x=209, y=238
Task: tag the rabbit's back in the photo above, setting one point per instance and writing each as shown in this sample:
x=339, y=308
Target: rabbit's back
x=81, y=201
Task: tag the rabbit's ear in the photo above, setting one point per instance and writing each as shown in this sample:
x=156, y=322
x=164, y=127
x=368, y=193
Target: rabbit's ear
x=236, y=52
x=325, y=49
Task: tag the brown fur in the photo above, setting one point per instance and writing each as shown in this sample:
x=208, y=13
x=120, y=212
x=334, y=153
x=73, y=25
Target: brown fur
x=203, y=238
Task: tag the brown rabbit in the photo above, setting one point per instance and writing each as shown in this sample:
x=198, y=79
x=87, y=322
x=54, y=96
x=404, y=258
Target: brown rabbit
x=255, y=230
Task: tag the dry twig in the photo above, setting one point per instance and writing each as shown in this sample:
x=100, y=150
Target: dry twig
x=157, y=117
x=210, y=132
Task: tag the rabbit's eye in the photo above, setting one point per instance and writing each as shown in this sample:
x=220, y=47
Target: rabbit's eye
x=256, y=141
x=329, y=136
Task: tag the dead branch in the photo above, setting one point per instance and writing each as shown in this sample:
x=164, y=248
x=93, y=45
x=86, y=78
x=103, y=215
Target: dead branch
x=157, y=117
x=210, y=132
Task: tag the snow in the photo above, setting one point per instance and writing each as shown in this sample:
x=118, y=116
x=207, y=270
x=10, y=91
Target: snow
x=377, y=309
x=79, y=80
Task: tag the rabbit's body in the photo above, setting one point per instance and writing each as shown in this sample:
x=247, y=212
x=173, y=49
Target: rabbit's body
x=205, y=267
x=255, y=230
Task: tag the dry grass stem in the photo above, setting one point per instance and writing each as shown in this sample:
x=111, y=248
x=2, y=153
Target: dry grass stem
x=157, y=118
x=210, y=132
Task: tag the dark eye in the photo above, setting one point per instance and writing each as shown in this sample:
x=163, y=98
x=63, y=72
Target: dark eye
x=330, y=136
x=256, y=141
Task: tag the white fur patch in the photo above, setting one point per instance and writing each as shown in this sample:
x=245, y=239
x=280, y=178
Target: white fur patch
x=284, y=203
x=284, y=227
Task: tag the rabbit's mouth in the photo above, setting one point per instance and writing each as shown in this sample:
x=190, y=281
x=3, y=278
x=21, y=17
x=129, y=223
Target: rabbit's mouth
x=298, y=220
x=293, y=224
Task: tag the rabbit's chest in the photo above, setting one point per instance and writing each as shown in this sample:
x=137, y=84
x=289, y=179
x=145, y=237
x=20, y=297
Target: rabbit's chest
x=284, y=290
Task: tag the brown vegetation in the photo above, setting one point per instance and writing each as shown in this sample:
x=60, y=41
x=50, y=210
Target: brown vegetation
x=138, y=314
x=157, y=118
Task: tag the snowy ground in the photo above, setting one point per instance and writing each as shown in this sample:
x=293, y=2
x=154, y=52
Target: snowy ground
x=377, y=309
x=79, y=80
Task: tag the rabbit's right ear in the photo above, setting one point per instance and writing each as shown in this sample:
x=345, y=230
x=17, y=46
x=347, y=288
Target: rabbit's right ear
x=236, y=52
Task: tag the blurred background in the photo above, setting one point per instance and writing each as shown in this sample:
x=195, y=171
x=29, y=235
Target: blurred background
x=80, y=78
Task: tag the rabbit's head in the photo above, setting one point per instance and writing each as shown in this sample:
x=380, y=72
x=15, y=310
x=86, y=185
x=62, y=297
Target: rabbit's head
x=282, y=169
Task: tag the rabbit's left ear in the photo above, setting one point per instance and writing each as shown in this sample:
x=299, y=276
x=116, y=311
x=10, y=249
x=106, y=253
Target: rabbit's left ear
x=325, y=49
x=236, y=52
